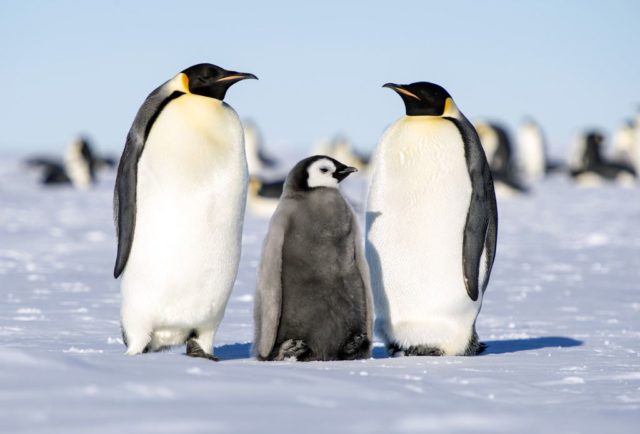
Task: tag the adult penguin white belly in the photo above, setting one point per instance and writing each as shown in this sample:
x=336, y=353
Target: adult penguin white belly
x=431, y=227
x=179, y=203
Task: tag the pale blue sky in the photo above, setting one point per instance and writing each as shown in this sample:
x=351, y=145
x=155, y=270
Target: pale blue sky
x=72, y=66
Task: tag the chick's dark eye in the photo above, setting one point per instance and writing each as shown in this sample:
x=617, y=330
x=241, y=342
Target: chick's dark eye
x=324, y=170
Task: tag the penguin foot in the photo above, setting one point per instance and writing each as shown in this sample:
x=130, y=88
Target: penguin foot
x=292, y=349
x=475, y=347
x=195, y=350
x=396, y=350
x=357, y=347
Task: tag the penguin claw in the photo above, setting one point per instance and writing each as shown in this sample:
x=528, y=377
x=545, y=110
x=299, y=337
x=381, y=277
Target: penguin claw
x=292, y=349
x=195, y=350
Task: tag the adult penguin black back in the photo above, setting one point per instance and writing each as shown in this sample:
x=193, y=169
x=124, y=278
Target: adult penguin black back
x=432, y=226
x=179, y=206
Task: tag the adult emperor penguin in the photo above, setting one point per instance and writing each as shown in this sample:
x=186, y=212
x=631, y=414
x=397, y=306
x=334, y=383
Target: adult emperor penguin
x=432, y=225
x=179, y=205
x=502, y=158
x=588, y=167
x=263, y=196
x=257, y=159
x=313, y=299
x=78, y=167
x=532, y=150
x=626, y=144
x=533, y=156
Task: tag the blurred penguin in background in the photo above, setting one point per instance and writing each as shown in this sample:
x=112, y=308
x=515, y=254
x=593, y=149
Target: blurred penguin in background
x=341, y=148
x=265, y=187
x=533, y=158
x=263, y=196
x=626, y=144
x=499, y=151
x=588, y=167
x=257, y=159
x=78, y=167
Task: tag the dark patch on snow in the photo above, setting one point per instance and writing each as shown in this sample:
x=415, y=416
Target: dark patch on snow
x=515, y=345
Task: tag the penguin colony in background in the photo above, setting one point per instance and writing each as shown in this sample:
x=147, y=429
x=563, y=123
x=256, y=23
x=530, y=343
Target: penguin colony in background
x=588, y=166
x=189, y=166
x=78, y=168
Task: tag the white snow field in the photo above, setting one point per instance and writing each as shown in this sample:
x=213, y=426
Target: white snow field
x=561, y=318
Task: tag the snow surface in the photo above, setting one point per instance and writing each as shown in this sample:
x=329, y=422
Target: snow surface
x=561, y=318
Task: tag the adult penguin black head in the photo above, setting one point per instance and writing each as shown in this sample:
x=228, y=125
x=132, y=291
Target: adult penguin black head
x=423, y=98
x=210, y=80
x=317, y=171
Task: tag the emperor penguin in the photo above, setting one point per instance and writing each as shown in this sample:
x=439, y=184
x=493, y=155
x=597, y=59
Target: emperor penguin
x=588, y=167
x=79, y=163
x=626, y=144
x=179, y=204
x=263, y=196
x=313, y=298
x=77, y=168
x=431, y=227
x=502, y=158
x=257, y=159
x=532, y=150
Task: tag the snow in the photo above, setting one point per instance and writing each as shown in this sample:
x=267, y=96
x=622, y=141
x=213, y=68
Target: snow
x=561, y=318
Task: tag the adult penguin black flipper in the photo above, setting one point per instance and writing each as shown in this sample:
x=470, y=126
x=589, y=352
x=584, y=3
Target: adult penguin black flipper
x=124, y=198
x=481, y=228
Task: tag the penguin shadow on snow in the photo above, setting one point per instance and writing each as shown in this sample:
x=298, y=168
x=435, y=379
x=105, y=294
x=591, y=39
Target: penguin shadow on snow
x=528, y=344
x=233, y=351
x=508, y=346
x=239, y=351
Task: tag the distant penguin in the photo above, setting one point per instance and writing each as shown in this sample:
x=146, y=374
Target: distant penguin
x=588, y=167
x=77, y=168
x=626, y=145
x=257, y=159
x=263, y=196
x=341, y=149
x=79, y=164
x=432, y=226
x=313, y=299
x=501, y=156
x=179, y=205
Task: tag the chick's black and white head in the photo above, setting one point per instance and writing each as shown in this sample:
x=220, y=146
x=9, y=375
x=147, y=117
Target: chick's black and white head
x=317, y=172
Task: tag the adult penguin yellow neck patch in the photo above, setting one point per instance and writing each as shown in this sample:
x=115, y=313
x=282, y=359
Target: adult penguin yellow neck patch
x=181, y=83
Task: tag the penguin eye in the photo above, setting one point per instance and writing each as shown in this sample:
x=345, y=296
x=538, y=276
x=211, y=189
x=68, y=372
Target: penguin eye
x=324, y=170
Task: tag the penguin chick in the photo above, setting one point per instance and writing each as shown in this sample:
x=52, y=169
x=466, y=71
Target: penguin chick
x=313, y=299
